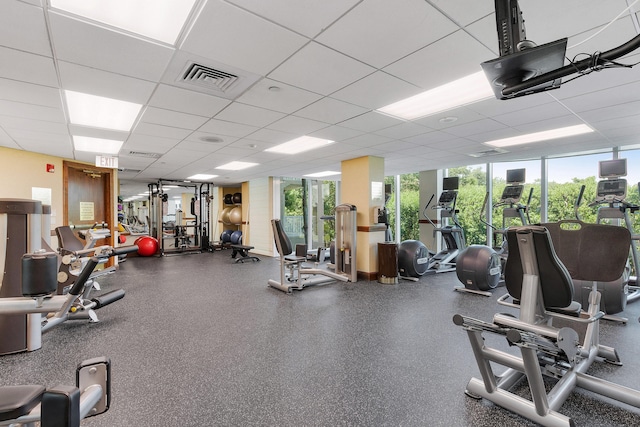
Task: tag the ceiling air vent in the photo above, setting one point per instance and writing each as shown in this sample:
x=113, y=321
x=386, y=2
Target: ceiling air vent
x=143, y=154
x=125, y=170
x=209, y=77
x=491, y=152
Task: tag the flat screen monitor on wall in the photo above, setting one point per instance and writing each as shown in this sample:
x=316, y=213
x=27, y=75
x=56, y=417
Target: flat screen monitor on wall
x=450, y=183
x=612, y=168
x=516, y=176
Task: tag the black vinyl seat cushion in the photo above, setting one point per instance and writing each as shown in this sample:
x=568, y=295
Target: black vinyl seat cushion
x=19, y=400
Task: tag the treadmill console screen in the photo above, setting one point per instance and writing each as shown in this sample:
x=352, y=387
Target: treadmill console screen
x=512, y=193
x=610, y=188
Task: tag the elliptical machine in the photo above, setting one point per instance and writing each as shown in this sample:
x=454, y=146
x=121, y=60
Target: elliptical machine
x=452, y=234
x=611, y=193
x=479, y=267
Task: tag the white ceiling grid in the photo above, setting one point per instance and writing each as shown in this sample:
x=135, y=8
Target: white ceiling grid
x=318, y=68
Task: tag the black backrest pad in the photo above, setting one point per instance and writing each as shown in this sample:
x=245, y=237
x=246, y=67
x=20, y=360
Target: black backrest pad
x=280, y=236
x=593, y=252
x=555, y=281
x=68, y=240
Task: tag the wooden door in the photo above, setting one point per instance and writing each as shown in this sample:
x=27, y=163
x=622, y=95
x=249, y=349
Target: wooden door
x=88, y=197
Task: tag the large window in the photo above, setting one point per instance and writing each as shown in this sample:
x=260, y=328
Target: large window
x=565, y=176
x=473, y=187
x=409, y=214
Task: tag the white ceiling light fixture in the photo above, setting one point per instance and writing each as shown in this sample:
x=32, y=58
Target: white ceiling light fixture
x=464, y=91
x=300, y=145
x=540, y=136
x=323, y=174
x=96, y=145
x=236, y=166
x=160, y=20
x=202, y=177
x=101, y=112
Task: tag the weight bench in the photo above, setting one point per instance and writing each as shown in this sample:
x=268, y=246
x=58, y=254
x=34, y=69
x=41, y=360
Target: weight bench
x=541, y=287
x=243, y=250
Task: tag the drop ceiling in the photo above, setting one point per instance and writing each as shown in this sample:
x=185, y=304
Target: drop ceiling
x=306, y=67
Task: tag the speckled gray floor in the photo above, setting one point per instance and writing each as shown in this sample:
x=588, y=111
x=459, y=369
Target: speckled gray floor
x=201, y=341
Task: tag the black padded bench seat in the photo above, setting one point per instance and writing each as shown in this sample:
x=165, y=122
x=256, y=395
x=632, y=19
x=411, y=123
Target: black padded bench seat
x=243, y=250
x=19, y=400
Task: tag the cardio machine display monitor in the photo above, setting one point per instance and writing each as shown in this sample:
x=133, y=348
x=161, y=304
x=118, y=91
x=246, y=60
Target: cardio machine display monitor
x=516, y=176
x=450, y=183
x=612, y=168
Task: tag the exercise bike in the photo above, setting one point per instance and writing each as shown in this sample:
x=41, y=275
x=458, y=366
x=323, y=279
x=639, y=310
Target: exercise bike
x=60, y=406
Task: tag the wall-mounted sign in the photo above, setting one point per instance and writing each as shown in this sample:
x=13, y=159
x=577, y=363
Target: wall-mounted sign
x=87, y=212
x=107, y=162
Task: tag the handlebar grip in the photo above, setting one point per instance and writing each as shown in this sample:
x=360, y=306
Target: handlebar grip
x=124, y=250
x=579, y=200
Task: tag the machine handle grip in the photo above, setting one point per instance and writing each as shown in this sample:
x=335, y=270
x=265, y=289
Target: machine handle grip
x=124, y=250
x=84, y=275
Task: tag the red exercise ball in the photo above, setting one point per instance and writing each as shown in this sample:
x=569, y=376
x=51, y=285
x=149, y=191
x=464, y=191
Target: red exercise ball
x=147, y=246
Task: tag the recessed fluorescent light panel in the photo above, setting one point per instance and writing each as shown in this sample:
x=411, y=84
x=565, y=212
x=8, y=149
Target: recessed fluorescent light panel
x=101, y=112
x=323, y=174
x=202, y=177
x=464, y=91
x=541, y=136
x=299, y=145
x=96, y=145
x=236, y=166
x=157, y=19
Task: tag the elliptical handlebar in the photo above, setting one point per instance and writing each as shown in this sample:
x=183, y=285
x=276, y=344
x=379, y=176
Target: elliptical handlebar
x=578, y=202
x=424, y=211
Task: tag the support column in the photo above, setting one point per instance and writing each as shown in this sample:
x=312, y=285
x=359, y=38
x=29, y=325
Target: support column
x=363, y=186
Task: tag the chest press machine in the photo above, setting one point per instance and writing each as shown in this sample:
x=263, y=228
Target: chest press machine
x=540, y=286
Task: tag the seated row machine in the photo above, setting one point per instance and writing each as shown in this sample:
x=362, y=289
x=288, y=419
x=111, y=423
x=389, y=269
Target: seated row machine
x=299, y=276
x=541, y=287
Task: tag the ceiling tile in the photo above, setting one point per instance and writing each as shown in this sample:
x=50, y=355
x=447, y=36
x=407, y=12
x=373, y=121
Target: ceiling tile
x=27, y=67
x=97, y=82
x=297, y=125
x=450, y=58
x=22, y=27
x=379, y=32
x=170, y=118
x=277, y=96
x=330, y=110
x=314, y=60
x=222, y=127
x=370, y=122
x=248, y=115
x=261, y=47
x=93, y=46
x=30, y=111
x=13, y=90
x=464, y=12
x=376, y=90
x=307, y=17
x=176, y=99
